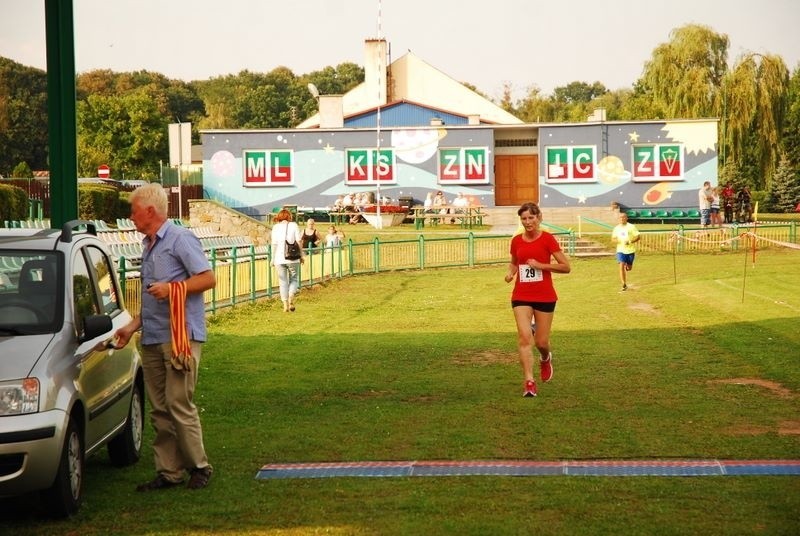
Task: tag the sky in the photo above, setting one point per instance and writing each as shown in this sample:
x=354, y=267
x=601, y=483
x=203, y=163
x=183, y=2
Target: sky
x=525, y=43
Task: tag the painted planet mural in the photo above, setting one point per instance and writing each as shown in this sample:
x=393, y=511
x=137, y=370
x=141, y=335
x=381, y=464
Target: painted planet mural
x=612, y=171
x=223, y=163
x=416, y=145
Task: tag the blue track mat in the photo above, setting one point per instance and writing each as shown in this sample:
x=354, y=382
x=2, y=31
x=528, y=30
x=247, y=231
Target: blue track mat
x=532, y=468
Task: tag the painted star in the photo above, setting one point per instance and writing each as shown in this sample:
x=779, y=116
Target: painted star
x=634, y=136
x=328, y=148
x=582, y=199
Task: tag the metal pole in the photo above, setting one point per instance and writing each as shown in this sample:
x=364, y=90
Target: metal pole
x=378, y=131
x=180, y=164
x=61, y=118
x=180, y=194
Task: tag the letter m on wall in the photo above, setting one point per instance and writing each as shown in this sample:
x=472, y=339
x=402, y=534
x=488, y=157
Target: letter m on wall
x=267, y=168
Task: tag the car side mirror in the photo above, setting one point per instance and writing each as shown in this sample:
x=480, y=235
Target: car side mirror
x=95, y=325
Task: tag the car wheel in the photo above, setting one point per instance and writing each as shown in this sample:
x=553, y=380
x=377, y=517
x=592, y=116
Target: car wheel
x=64, y=497
x=126, y=448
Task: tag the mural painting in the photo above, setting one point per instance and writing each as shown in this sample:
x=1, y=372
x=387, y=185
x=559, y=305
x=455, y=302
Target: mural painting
x=656, y=165
x=255, y=171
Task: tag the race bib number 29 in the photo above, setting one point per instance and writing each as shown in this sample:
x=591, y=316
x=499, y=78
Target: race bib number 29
x=528, y=274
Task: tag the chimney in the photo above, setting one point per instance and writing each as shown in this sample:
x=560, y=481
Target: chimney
x=375, y=74
x=331, y=111
x=474, y=119
x=599, y=114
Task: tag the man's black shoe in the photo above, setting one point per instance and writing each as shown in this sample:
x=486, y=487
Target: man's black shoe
x=159, y=482
x=199, y=478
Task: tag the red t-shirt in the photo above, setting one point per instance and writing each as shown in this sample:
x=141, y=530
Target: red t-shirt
x=534, y=285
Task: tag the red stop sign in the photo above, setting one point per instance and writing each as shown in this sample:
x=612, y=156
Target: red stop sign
x=103, y=172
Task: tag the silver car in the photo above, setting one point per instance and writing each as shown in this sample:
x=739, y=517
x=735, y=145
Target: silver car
x=64, y=391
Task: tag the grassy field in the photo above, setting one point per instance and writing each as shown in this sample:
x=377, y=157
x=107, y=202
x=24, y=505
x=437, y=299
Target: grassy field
x=699, y=359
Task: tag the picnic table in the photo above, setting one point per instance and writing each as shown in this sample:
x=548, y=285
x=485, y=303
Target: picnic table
x=467, y=216
x=339, y=218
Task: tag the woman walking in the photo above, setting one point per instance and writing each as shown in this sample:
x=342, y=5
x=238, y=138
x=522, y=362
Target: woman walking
x=285, y=230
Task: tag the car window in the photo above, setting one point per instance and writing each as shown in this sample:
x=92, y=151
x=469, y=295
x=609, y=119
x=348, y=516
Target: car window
x=29, y=291
x=94, y=291
x=83, y=293
x=109, y=302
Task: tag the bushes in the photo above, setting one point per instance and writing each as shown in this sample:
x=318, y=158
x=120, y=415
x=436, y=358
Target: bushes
x=95, y=201
x=98, y=202
x=13, y=203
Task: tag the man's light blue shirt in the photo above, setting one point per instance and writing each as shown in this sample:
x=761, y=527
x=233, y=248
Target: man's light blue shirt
x=176, y=255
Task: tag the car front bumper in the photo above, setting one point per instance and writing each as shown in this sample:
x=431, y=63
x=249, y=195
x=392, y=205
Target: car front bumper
x=30, y=451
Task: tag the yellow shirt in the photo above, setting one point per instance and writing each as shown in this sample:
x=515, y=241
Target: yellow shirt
x=624, y=235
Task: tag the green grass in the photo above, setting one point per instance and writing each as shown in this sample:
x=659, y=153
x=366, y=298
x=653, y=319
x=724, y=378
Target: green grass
x=423, y=366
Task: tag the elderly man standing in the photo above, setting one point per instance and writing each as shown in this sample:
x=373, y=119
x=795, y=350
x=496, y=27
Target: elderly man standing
x=704, y=197
x=175, y=273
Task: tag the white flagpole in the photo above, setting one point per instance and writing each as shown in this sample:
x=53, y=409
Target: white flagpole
x=378, y=130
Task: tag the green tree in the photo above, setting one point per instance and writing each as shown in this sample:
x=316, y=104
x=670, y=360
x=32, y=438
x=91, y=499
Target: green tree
x=176, y=100
x=184, y=104
x=99, y=82
x=731, y=172
x=128, y=132
x=784, y=194
x=640, y=105
x=684, y=76
x=22, y=171
x=329, y=81
x=336, y=80
x=217, y=116
x=571, y=103
x=230, y=100
x=790, y=139
x=506, y=102
x=267, y=100
x=687, y=77
x=613, y=102
x=277, y=99
x=23, y=116
x=754, y=99
x=536, y=108
x=579, y=92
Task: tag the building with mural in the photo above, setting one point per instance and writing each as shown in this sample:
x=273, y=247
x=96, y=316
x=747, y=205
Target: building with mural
x=409, y=129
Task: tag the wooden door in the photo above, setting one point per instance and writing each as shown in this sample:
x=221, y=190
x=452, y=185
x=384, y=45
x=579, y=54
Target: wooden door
x=516, y=179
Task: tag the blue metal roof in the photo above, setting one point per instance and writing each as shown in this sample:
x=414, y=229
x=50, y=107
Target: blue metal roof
x=403, y=114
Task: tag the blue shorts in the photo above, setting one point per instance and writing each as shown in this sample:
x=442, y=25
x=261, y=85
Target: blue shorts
x=627, y=258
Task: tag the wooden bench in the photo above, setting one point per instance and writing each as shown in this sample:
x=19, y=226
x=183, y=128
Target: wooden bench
x=471, y=217
x=422, y=217
x=467, y=217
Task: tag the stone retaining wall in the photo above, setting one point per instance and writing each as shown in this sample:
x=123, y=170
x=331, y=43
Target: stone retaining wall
x=227, y=222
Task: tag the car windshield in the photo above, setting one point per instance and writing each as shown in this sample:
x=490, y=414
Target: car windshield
x=30, y=292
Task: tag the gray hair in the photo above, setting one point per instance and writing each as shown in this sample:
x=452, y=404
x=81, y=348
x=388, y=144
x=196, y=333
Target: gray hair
x=152, y=195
